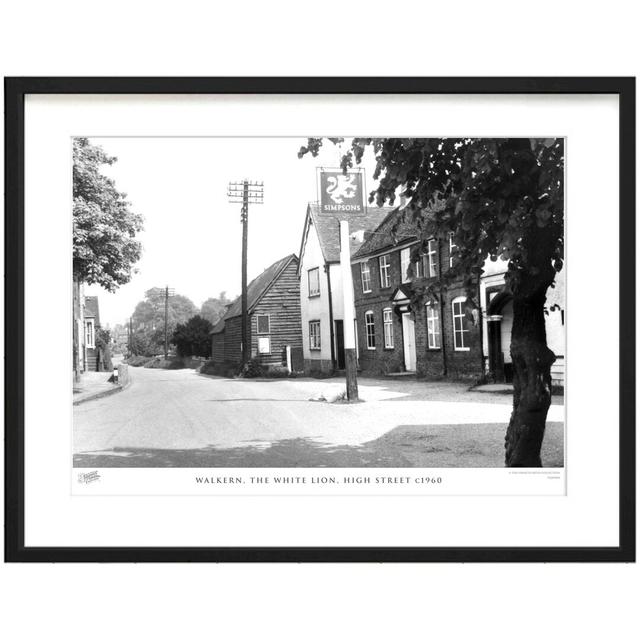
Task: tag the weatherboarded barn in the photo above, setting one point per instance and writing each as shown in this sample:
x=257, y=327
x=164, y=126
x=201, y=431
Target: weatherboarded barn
x=273, y=302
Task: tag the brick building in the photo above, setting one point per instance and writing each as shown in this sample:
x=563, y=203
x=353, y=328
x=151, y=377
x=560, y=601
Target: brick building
x=273, y=303
x=396, y=333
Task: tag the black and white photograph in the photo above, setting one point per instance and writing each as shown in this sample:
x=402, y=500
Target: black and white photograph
x=262, y=309
x=318, y=303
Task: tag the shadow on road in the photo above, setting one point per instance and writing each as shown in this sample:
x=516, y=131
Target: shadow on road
x=420, y=446
x=259, y=400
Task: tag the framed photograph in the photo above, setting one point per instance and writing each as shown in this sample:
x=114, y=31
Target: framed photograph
x=320, y=319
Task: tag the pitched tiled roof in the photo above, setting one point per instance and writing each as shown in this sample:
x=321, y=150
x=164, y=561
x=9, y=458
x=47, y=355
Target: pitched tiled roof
x=255, y=290
x=328, y=227
x=393, y=230
x=218, y=327
x=92, y=308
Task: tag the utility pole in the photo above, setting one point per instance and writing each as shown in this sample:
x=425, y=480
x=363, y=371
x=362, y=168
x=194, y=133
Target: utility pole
x=167, y=294
x=350, y=362
x=245, y=192
x=130, y=337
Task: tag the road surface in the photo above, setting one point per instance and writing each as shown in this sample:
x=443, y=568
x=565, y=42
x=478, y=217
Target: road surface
x=182, y=418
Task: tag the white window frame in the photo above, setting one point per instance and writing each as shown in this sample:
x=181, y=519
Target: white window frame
x=459, y=343
x=452, y=246
x=90, y=343
x=384, y=263
x=419, y=268
x=370, y=322
x=261, y=342
x=365, y=269
x=313, y=293
x=432, y=251
x=387, y=324
x=434, y=335
x=315, y=341
x=268, y=317
x=405, y=262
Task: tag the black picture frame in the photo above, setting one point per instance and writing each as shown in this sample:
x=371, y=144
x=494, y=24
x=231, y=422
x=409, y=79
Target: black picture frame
x=15, y=91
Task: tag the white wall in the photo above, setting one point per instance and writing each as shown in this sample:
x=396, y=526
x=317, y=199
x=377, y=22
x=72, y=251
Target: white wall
x=337, y=297
x=315, y=308
x=494, y=275
x=571, y=607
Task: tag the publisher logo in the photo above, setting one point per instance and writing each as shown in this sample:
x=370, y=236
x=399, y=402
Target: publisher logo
x=88, y=477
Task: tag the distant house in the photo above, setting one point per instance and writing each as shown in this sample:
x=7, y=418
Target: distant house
x=273, y=303
x=321, y=295
x=91, y=316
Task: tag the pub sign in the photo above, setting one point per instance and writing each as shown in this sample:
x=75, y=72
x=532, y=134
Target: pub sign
x=341, y=192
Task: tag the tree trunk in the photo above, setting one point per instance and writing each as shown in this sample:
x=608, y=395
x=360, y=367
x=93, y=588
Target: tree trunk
x=77, y=316
x=532, y=361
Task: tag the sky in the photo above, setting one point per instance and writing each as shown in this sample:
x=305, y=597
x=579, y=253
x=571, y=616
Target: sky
x=192, y=234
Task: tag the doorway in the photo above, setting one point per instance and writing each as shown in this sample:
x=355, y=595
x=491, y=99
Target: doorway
x=339, y=333
x=409, y=341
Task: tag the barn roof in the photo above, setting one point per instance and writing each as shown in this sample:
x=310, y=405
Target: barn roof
x=218, y=327
x=328, y=227
x=255, y=290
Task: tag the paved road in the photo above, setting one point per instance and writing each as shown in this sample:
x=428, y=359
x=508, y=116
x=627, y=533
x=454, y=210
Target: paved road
x=181, y=418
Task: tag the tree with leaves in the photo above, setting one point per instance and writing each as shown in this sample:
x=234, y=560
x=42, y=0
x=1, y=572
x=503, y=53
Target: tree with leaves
x=192, y=337
x=104, y=228
x=104, y=231
x=501, y=198
x=214, y=308
x=147, y=320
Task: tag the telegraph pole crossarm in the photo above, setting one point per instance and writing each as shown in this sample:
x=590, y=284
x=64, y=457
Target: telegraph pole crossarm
x=245, y=192
x=168, y=293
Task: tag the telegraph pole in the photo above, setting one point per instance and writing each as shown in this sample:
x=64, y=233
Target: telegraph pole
x=350, y=360
x=245, y=192
x=167, y=294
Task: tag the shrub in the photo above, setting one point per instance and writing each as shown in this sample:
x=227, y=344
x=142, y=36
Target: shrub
x=253, y=369
x=160, y=363
x=192, y=337
x=222, y=369
x=138, y=361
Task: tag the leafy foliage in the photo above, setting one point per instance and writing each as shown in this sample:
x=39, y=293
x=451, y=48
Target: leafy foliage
x=498, y=197
x=104, y=228
x=192, y=338
x=252, y=369
x=103, y=338
x=214, y=308
x=148, y=320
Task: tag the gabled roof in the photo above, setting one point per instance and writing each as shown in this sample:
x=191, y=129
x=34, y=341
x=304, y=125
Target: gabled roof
x=327, y=227
x=92, y=308
x=401, y=292
x=391, y=232
x=218, y=327
x=255, y=290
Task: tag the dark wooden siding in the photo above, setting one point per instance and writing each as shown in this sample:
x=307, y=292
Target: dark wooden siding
x=233, y=340
x=282, y=304
x=217, y=347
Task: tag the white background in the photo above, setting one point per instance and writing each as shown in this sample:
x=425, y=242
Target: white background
x=587, y=516
x=375, y=38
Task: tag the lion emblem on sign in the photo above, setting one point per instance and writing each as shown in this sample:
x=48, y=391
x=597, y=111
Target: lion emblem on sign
x=341, y=187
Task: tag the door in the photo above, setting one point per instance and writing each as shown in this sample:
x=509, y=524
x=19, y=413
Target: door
x=409, y=341
x=339, y=333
